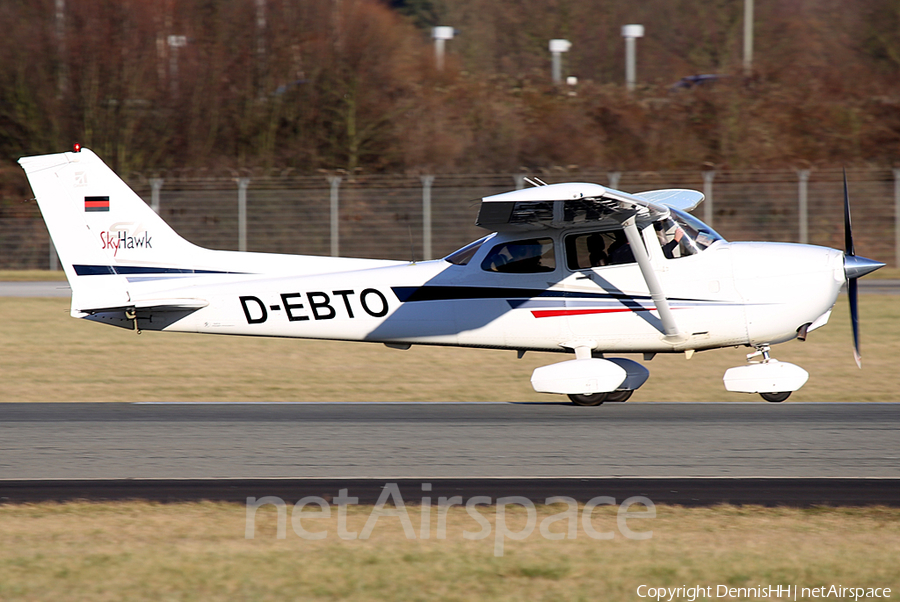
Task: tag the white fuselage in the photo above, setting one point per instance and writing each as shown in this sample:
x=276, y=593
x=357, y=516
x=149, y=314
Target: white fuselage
x=729, y=294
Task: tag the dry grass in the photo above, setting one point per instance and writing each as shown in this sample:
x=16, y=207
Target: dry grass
x=197, y=551
x=48, y=356
x=885, y=273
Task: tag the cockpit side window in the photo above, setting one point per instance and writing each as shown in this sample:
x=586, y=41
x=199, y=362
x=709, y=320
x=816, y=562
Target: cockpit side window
x=682, y=235
x=521, y=257
x=596, y=249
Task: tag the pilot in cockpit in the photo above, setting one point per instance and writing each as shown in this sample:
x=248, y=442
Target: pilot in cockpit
x=670, y=235
x=678, y=239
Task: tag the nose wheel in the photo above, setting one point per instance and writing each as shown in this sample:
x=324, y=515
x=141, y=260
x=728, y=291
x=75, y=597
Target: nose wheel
x=620, y=396
x=773, y=380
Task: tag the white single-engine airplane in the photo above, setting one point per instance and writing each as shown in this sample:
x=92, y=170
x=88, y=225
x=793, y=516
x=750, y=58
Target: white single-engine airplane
x=574, y=268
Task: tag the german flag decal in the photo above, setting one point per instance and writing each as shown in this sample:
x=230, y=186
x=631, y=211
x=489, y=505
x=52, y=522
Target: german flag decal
x=96, y=203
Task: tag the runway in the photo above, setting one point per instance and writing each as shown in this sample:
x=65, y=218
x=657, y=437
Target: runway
x=681, y=453
x=35, y=289
x=683, y=492
x=432, y=440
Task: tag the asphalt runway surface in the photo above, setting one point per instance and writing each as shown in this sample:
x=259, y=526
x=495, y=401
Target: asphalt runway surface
x=688, y=453
x=61, y=288
x=430, y=440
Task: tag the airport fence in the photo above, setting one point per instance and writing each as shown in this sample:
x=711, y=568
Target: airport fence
x=421, y=217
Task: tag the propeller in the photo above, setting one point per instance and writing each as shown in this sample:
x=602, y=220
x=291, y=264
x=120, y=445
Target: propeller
x=854, y=268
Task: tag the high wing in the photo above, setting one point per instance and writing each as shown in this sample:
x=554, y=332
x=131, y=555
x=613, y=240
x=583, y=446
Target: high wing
x=570, y=204
x=682, y=199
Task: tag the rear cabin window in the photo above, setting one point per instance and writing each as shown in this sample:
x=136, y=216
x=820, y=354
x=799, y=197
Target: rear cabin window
x=596, y=249
x=521, y=257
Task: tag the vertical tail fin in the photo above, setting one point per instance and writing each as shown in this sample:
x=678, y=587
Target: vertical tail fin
x=102, y=230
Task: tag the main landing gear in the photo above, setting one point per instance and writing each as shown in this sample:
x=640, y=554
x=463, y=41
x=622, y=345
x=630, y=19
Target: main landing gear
x=597, y=399
x=589, y=381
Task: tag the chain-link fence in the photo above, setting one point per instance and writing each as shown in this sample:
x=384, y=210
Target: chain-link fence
x=402, y=217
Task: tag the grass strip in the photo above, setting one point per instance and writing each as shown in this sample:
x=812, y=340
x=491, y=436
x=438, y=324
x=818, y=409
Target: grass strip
x=49, y=356
x=198, y=551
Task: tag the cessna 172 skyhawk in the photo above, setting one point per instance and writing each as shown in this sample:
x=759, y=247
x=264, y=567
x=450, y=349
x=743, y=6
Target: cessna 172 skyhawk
x=575, y=268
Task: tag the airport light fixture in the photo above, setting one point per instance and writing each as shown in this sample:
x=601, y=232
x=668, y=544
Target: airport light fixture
x=631, y=33
x=557, y=48
x=748, y=37
x=441, y=35
x=174, y=42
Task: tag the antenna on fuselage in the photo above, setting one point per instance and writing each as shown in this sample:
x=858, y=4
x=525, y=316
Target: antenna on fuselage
x=412, y=248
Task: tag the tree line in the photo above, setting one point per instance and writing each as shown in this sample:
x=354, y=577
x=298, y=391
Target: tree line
x=352, y=84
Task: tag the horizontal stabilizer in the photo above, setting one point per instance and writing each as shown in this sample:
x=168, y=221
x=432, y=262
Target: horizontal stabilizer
x=147, y=314
x=153, y=305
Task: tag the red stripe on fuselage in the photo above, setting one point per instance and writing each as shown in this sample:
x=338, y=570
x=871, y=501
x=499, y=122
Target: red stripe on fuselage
x=555, y=313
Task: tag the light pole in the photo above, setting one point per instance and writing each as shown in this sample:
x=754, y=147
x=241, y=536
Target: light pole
x=440, y=35
x=260, y=45
x=174, y=42
x=557, y=47
x=748, y=37
x=62, y=75
x=631, y=33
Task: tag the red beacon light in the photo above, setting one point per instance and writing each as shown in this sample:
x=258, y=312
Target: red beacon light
x=76, y=147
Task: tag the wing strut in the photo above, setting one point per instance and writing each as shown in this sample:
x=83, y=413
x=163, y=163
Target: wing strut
x=670, y=328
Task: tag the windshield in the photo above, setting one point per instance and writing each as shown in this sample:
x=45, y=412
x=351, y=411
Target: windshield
x=464, y=255
x=521, y=257
x=682, y=234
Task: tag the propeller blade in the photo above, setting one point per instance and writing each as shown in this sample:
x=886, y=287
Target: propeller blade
x=854, y=267
x=848, y=231
x=852, y=289
x=852, y=293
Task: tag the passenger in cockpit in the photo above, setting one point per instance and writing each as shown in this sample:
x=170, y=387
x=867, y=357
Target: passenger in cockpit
x=620, y=251
x=596, y=250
